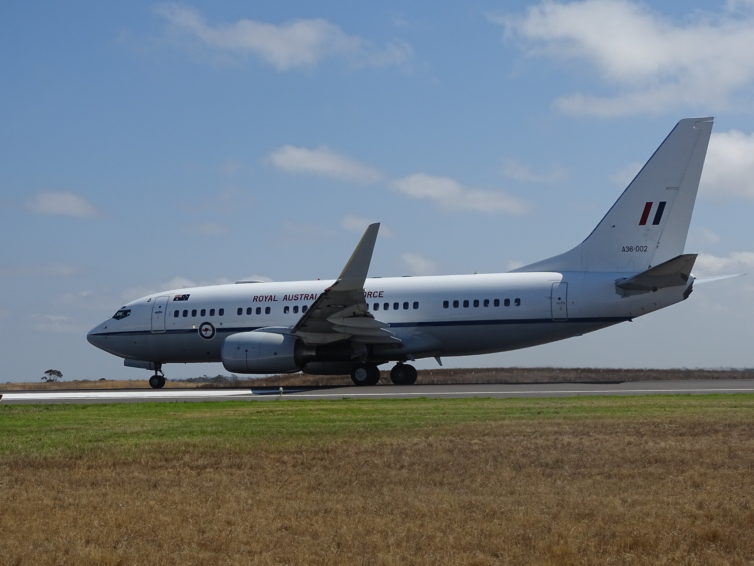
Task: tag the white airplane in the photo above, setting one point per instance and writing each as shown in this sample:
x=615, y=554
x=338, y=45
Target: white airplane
x=630, y=265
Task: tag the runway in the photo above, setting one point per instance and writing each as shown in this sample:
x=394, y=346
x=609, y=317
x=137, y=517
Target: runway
x=661, y=387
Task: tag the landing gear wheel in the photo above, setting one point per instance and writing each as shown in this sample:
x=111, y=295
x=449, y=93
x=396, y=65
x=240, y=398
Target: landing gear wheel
x=157, y=381
x=403, y=374
x=367, y=374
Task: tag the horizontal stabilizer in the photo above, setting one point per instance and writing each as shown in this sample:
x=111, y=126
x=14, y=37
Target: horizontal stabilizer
x=671, y=273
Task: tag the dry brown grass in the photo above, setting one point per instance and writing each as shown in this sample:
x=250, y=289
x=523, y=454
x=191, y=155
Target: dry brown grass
x=427, y=377
x=606, y=490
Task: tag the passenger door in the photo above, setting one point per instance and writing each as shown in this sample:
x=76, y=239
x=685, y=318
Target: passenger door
x=159, y=311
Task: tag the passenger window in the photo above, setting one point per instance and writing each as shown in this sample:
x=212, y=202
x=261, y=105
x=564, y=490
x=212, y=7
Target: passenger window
x=185, y=314
x=445, y=304
x=466, y=304
x=204, y=312
x=221, y=312
x=304, y=308
x=486, y=302
x=286, y=309
x=396, y=306
x=259, y=310
x=295, y=308
x=376, y=306
x=476, y=302
x=456, y=304
x=386, y=306
x=405, y=306
x=239, y=311
x=496, y=302
x=175, y=314
x=416, y=305
x=507, y=302
x=248, y=311
x=517, y=302
x=193, y=312
x=211, y=312
x=266, y=310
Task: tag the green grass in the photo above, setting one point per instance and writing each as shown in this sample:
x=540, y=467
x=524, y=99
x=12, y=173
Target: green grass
x=63, y=428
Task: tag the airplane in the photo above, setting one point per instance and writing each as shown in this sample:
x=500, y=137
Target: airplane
x=631, y=264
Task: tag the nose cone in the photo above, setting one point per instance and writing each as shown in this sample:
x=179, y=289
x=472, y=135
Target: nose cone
x=95, y=336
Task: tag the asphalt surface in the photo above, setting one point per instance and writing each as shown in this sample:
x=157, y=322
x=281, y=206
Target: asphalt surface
x=662, y=387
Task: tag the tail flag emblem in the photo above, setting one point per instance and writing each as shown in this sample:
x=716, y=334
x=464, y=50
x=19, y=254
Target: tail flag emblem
x=648, y=209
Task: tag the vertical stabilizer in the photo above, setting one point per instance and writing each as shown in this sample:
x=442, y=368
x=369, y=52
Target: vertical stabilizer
x=648, y=224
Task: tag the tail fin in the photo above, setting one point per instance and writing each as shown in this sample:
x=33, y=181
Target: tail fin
x=648, y=224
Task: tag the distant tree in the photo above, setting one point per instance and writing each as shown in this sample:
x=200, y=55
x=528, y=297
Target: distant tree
x=52, y=375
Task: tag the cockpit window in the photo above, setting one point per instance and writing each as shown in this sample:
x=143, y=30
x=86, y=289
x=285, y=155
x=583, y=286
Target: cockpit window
x=122, y=313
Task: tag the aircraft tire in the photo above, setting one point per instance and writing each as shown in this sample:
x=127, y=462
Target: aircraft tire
x=366, y=374
x=403, y=374
x=157, y=382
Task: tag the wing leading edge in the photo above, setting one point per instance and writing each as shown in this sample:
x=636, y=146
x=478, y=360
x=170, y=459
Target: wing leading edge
x=341, y=312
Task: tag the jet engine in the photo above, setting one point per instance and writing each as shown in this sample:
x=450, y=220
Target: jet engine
x=271, y=350
x=260, y=352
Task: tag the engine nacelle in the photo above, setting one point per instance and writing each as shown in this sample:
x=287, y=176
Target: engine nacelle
x=260, y=352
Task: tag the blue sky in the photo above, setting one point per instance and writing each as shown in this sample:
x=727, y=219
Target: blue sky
x=147, y=146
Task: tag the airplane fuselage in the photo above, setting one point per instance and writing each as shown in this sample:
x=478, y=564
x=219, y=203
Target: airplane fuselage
x=452, y=315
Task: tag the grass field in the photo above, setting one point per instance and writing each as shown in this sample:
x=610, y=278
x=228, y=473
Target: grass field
x=426, y=377
x=623, y=480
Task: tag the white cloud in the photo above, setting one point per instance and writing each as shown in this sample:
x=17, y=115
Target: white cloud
x=62, y=203
x=734, y=263
x=418, y=264
x=520, y=171
x=358, y=224
x=654, y=63
x=260, y=278
x=626, y=174
x=324, y=162
x=177, y=282
x=56, y=324
x=514, y=264
x=452, y=195
x=704, y=237
x=296, y=43
x=729, y=167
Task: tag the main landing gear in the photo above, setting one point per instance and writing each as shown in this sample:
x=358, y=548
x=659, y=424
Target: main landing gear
x=157, y=381
x=403, y=374
x=369, y=374
x=366, y=374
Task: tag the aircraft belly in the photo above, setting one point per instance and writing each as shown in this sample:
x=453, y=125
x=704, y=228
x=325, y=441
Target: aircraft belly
x=168, y=347
x=483, y=339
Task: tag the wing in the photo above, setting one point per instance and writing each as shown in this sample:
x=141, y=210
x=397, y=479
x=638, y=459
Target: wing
x=340, y=312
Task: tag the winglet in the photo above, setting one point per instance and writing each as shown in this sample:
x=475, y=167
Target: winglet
x=355, y=271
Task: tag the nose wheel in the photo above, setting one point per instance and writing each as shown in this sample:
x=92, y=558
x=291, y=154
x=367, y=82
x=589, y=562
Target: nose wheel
x=157, y=381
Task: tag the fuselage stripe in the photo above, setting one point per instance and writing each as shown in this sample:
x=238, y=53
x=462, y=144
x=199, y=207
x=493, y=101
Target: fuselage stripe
x=423, y=324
